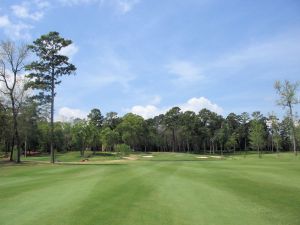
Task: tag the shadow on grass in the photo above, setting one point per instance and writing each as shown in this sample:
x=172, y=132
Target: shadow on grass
x=92, y=164
x=32, y=163
x=101, y=154
x=22, y=163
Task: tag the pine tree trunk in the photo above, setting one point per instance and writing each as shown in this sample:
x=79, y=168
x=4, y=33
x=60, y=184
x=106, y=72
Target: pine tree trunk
x=25, y=150
x=52, y=119
x=222, y=149
x=188, y=145
x=173, y=137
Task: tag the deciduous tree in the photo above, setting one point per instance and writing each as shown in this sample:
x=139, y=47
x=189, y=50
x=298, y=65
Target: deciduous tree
x=12, y=59
x=287, y=92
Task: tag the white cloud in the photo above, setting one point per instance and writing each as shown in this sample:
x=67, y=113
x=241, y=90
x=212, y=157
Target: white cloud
x=70, y=50
x=4, y=21
x=196, y=104
x=184, y=71
x=14, y=30
x=122, y=6
x=147, y=111
x=77, y=2
x=33, y=10
x=41, y=4
x=68, y=114
x=193, y=104
x=125, y=6
x=16, y=25
x=22, y=11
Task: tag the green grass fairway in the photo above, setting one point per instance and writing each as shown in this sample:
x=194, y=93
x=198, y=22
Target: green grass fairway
x=167, y=189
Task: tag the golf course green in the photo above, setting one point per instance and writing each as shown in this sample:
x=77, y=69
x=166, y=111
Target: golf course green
x=162, y=188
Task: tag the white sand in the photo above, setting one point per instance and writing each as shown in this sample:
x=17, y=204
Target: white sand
x=147, y=156
x=216, y=157
x=213, y=156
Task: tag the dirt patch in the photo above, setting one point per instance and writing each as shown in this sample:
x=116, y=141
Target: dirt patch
x=84, y=160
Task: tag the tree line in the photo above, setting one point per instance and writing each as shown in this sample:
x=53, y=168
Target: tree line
x=27, y=115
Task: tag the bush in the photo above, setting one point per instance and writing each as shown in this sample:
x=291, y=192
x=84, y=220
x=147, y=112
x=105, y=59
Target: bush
x=123, y=149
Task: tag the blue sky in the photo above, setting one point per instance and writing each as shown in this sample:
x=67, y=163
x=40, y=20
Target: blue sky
x=146, y=56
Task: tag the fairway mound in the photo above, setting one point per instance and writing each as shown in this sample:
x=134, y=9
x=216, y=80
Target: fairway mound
x=147, y=156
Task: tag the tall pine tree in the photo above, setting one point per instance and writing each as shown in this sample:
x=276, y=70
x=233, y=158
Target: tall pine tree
x=47, y=70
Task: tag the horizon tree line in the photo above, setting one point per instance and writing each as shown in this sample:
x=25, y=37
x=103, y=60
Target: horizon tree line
x=27, y=115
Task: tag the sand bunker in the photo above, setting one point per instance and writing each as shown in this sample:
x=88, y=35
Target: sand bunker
x=147, y=156
x=202, y=157
x=212, y=156
x=216, y=157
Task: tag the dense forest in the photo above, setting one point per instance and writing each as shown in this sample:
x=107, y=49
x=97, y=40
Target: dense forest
x=27, y=123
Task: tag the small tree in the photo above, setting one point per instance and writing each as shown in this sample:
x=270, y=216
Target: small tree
x=274, y=131
x=46, y=71
x=80, y=135
x=257, y=135
x=287, y=98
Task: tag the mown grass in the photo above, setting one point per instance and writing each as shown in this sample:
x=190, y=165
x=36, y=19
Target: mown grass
x=169, y=188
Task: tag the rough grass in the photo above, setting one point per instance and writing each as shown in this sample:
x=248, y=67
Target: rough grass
x=175, y=189
x=74, y=157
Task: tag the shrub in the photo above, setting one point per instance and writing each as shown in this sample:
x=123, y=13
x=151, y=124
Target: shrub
x=123, y=149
